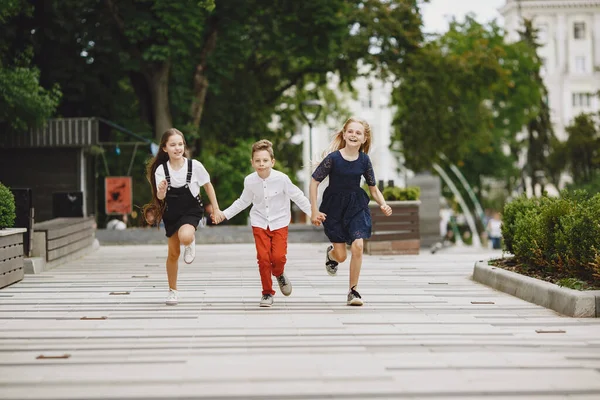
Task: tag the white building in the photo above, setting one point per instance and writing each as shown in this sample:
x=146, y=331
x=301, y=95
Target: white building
x=569, y=32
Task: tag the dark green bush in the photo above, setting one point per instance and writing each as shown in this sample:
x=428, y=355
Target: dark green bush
x=513, y=212
x=556, y=236
x=394, y=193
x=581, y=239
x=7, y=207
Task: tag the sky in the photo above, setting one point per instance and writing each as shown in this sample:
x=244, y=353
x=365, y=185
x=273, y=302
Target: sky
x=437, y=13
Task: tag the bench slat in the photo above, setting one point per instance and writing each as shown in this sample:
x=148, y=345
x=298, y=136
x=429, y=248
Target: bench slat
x=59, y=227
x=70, y=248
x=11, y=240
x=11, y=277
x=9, y=265
x=73, y=237
x=11, y=252
x=394, y=236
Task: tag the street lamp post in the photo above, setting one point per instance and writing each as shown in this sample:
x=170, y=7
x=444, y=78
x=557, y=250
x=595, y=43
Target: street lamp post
x=310, y=110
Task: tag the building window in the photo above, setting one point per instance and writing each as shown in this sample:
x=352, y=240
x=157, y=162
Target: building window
x=582, y=99
x=580, y=64
x=579, y=30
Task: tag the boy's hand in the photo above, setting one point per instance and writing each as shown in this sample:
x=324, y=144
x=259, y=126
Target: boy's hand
x=387, y=210
x=218, y=217
x=317, y=218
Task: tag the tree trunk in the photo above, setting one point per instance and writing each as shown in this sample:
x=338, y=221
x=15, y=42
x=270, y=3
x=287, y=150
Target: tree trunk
x=199, y=90
x=142, y=92
x=200, y=81
x=158, y=83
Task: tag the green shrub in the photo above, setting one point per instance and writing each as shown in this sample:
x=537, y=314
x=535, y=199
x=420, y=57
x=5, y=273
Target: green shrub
x=580, y=240
x=527, y=238
x=513, y=212
x=394, y=193
x=7, y=207
x=556, y=236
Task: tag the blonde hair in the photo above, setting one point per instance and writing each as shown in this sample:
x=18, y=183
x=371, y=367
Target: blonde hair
x=263, y=145
x=338, y=142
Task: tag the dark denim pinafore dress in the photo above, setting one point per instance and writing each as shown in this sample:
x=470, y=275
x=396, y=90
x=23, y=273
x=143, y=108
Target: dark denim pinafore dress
x=181, y=206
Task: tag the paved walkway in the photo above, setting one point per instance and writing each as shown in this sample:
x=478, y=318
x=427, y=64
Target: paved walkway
x=426, y=332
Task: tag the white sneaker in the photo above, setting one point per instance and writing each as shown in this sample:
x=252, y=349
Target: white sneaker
x=172, y=298
x=190, y=252
x=266, y=300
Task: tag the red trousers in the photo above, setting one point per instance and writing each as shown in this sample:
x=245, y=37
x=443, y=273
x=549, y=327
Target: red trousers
x=271, y=250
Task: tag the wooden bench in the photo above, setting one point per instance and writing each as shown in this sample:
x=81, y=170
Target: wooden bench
x=396, y=234
x=11, y=256
x=62, y=239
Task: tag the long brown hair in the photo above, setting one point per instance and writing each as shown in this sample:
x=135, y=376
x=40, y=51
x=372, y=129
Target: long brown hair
x=157, y=207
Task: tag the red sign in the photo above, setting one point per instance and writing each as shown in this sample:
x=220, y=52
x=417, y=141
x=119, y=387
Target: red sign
x=118, y=194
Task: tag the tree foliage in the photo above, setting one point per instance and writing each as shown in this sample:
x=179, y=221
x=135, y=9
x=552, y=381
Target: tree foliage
x=24, y=102
x=466, y=95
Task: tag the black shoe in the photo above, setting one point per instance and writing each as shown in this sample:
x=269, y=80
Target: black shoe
x=331, y=266
x=354, y=298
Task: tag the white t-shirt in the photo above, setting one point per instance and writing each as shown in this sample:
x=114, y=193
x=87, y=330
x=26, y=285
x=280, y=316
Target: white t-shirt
x=270, y=199
x=200, y=176
x=495, y=228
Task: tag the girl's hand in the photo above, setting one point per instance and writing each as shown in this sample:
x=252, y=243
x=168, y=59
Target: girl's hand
x=317, y=218
x=162, y=186
x=218, y=217
x=387, y=210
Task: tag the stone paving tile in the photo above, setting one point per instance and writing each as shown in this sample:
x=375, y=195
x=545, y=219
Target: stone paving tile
x=427, y=331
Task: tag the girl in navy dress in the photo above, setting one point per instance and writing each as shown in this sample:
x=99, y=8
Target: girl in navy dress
x=345, y=206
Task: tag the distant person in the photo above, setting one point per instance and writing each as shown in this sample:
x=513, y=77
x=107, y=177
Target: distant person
x=344, y=210
x=494, y=231
x=176, y=182
x=269, y=191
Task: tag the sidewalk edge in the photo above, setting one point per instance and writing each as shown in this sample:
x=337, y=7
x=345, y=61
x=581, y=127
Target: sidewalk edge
x=569, y=302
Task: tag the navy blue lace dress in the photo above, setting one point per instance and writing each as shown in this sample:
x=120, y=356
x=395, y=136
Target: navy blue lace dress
x=345, y=203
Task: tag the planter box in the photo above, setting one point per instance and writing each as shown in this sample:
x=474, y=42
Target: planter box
x=396, y=234
x=11, y=256
x=573, y=303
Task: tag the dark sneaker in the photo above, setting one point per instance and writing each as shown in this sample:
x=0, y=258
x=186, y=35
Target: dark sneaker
x=354, y=298
x=284, y=285
x=266, y=300
x=330, y=265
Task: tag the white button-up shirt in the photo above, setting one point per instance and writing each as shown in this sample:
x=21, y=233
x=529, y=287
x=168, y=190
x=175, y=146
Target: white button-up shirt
x=270, y=199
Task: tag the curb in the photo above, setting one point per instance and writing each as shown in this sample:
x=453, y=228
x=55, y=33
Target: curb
x=569, y=302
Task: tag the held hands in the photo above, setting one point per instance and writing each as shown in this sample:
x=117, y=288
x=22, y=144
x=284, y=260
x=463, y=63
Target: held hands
x=317, y=218
x=217, y=217
x=387, y=210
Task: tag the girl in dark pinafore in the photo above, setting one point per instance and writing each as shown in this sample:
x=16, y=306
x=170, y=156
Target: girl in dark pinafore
x=345, y=206
x=176, y=182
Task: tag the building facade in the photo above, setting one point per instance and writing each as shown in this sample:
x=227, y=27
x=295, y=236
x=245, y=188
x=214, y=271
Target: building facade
x=569, y=35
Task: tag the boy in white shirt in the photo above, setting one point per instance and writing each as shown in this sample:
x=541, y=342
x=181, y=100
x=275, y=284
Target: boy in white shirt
x=269, y=191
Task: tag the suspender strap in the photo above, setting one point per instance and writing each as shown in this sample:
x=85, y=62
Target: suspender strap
x=167, y=176
x=188, y=179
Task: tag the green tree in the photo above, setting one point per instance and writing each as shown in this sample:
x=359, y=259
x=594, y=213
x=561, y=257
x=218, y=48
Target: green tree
x=583, y=148
x=24, y=102
x=469, y=93
x=540, y=132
